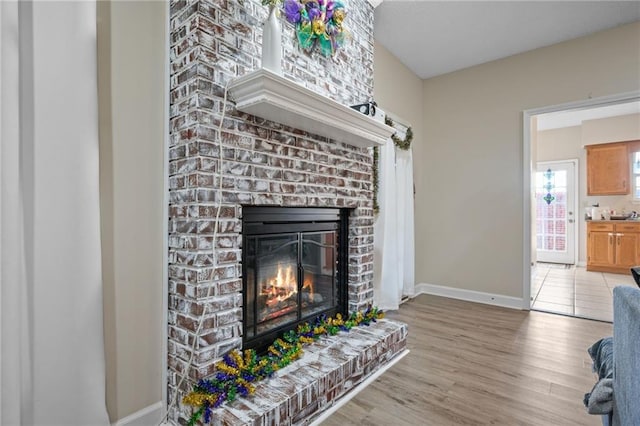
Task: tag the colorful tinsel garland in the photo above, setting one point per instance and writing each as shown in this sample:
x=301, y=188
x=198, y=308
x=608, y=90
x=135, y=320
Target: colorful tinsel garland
x=238, y=372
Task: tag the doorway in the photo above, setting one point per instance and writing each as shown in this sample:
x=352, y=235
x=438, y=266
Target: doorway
x=556, y=209
x=571, y=271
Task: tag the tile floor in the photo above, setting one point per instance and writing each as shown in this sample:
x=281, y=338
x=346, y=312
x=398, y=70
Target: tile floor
x=572, y=290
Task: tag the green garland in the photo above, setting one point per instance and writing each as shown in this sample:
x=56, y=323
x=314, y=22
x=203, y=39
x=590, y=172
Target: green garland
x=402, y=144
x=238, y=371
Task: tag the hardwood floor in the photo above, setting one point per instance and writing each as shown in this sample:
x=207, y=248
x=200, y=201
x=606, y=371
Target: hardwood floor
x=474, y=364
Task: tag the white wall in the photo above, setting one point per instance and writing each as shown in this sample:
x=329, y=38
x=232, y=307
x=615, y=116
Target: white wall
x=131, y=67
x=398, y=90
x=568, y=143
x=613, y=129
x=469, y=205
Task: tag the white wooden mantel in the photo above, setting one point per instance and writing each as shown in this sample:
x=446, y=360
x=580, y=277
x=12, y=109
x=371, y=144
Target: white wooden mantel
x=268, y=95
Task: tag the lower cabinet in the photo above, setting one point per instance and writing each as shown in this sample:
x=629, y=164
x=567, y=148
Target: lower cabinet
x=613, y=247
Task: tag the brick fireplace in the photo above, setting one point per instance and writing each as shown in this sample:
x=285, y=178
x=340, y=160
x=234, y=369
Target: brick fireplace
x=294, y=268
x=264, y=164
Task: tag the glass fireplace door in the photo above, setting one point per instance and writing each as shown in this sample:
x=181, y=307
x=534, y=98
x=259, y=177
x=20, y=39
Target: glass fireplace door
x=272, y=275
x=290, y=277
x=319, y=291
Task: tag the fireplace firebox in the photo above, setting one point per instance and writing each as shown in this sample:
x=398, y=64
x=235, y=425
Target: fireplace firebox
x=294, y=268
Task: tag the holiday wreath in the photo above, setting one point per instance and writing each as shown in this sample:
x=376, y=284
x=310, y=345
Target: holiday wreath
x=317, y=22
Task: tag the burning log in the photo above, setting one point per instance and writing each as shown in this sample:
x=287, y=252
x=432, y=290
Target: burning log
x=279, y=293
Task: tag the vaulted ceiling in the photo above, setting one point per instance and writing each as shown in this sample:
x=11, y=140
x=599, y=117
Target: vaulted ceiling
x=438, y=37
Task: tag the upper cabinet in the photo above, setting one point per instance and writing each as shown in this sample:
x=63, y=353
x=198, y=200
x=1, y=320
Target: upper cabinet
x=608, y=169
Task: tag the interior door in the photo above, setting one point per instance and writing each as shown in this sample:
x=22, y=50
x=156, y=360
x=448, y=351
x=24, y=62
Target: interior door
x=555, y=211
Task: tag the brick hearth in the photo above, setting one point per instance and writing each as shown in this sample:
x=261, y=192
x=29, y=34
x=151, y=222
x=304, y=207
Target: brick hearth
x=327, y=370
x=265, y=163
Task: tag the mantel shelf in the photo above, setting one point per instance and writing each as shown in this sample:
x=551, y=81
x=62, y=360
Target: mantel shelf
x=267, y=95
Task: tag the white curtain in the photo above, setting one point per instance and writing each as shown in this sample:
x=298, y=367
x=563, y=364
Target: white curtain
x=52, y=353
x=394, y=226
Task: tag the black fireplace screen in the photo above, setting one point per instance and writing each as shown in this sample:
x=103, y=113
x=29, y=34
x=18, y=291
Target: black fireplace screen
x=293, y=268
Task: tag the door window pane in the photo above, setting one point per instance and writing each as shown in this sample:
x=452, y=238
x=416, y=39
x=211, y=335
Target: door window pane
x=551, y=210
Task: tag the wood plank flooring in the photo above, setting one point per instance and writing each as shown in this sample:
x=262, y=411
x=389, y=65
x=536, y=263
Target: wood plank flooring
x=475, y=364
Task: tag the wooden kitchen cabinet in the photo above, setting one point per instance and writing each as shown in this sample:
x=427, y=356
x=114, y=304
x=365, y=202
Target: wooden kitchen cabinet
x=608, y=169
x=599, y=245
x=613, y=246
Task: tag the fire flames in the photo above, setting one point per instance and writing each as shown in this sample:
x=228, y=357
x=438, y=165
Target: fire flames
x=283, y=286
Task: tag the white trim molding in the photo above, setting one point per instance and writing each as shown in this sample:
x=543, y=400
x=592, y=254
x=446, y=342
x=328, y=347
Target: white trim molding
x=470, y=295
x=148, y=416
x=266, y=94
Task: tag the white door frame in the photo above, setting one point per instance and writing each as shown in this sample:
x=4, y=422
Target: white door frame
x=528, y=167
x=576, y=175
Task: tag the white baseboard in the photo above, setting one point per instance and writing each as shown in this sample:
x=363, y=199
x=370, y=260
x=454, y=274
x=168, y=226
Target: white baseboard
x=581, y=264
x=148, y=416
x=470, y=295
x=357, y=389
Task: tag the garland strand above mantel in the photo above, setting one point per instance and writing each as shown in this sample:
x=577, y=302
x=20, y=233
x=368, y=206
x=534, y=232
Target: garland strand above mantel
x=403, y=144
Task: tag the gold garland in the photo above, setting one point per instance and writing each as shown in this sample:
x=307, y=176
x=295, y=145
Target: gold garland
x=402, y=144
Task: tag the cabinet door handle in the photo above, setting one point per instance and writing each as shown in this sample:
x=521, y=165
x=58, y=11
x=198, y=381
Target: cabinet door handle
x=610, y=238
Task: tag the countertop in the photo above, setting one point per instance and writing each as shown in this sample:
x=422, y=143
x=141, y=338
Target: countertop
x=637, y=220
